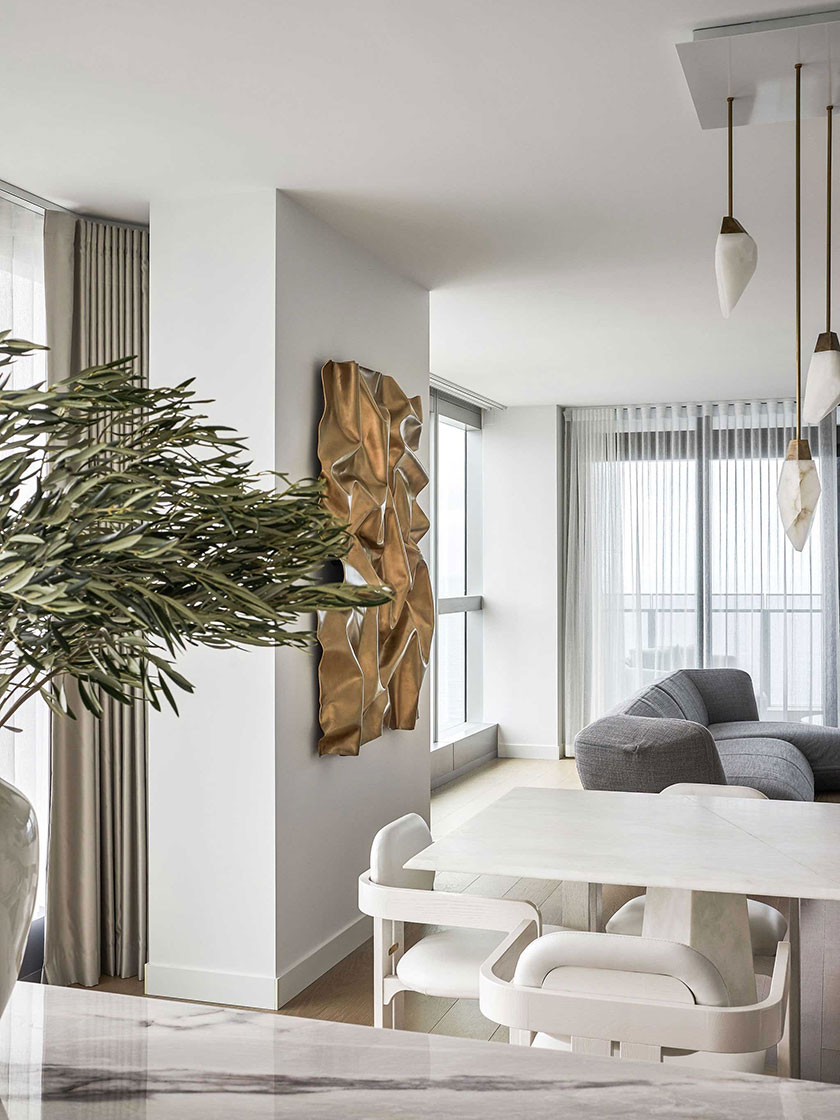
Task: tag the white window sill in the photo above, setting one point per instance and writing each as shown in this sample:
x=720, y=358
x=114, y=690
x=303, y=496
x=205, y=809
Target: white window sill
x=461, y=748
x=460, y=732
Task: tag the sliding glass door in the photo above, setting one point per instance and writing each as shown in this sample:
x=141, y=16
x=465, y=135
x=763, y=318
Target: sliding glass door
x=676, y=549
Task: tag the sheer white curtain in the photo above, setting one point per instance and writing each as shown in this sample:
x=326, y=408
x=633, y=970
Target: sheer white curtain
x=25, y=756
x=676, y=557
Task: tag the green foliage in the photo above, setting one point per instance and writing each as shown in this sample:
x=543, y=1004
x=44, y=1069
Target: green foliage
x=131, y=527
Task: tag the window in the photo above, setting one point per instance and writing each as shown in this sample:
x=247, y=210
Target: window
x=677, y=557
x=25, y=755
x=709, y=578
x=456, y=564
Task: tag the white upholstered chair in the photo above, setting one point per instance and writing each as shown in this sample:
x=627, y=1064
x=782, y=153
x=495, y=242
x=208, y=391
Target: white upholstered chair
x=441, y=963
x=767, y=926
x=627, y=997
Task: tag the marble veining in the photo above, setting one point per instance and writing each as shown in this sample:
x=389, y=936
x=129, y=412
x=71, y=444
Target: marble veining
x=68, y=1053
x=740, y=846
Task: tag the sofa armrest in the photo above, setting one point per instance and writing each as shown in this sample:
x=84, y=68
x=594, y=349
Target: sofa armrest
x=636, y=754
x=728, y=694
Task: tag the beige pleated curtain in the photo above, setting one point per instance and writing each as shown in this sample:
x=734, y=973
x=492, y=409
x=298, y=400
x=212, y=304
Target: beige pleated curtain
x=96, y=281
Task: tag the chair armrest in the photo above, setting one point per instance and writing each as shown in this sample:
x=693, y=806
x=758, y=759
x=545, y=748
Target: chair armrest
x=722, y=1030
x=444, y=908
x=502, y=962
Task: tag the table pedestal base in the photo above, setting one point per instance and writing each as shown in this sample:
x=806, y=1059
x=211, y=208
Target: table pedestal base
x=714, y=924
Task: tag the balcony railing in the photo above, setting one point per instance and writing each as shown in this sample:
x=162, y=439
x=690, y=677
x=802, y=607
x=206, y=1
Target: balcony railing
x=776, y=638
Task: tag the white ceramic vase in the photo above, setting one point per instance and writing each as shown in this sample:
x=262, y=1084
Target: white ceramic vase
x=18, y=883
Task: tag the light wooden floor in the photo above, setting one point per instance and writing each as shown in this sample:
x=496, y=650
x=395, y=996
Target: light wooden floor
x=344, y=993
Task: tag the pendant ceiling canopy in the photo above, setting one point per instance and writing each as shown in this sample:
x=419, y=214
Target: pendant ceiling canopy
x=753, y=62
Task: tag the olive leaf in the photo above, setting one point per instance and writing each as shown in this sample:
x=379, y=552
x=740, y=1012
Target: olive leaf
x=132, y=527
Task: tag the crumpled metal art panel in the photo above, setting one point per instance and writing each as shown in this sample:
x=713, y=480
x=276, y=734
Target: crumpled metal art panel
x=373, y=662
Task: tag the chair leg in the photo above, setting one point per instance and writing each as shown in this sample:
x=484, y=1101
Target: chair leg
x=388, y=947
x=382, y=1012
x=398, y=1001
x=788, y=1049
x=581, y=906
x=520, y=1037
x=639, y=1052
x=594, y=1047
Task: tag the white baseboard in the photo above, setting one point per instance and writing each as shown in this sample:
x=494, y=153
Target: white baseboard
x=307, y=970
x=240, y=990
x=268, y=992
x=530, y=750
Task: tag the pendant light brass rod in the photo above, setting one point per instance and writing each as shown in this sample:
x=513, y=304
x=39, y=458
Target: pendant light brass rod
x=798, y=69
x=829, y=110
x=729, y=101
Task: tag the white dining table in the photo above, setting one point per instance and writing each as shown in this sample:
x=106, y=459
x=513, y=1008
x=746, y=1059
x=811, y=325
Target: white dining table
x=698, y=857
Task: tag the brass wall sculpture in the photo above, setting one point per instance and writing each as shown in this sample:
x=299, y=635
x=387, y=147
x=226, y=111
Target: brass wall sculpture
x=373, y=661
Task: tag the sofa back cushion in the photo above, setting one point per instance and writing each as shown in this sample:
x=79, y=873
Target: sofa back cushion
x=674, y=697
x=727, y=694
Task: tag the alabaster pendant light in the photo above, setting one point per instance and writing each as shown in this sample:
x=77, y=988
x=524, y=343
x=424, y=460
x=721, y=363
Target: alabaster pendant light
x=822, y=389
x=736, y=253
x=799, y=483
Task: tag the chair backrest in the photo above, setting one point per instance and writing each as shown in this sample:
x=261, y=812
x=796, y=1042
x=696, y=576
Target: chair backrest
x=392, y=846
x=578, y=961
x=700, y=789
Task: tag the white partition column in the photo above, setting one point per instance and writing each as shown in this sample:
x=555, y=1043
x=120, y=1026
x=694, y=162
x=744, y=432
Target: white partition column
x=255, y=843
x=522, y=571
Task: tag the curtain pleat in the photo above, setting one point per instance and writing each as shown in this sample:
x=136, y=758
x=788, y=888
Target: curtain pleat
x=97, y=297
x=676, y=557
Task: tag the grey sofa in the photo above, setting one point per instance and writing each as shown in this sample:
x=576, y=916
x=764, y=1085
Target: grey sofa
x=702, y=725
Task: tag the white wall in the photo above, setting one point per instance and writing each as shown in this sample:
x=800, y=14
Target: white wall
x=211, y=772
x=255, y=842
x=521, y=622
x=335, y=301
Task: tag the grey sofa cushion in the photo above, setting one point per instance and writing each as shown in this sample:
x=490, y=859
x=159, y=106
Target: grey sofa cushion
x=772, y=766
x=675, y=697
x=820, y=745
x=727, y=693
x=637, y=754
x=655, y=704
x=685, y=693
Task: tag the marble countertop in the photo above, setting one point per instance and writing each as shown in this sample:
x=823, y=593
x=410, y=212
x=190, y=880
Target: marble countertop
x=735, y=845
x=71, y=1053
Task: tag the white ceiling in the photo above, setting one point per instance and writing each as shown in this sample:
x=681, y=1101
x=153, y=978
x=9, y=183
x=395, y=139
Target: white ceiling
x=536, y=163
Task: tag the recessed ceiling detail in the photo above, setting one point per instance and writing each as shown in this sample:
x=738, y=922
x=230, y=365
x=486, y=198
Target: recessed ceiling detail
x=753, y=63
